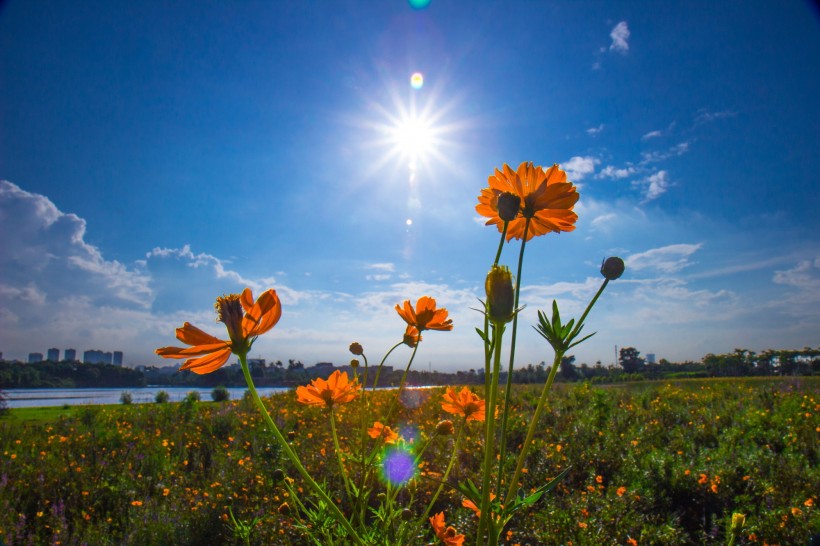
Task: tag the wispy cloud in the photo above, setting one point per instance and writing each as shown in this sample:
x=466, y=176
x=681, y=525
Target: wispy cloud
x=654, y=185
x=592, y=131
x=666, y=259
x=708, y=117
x=651, y=135
x=578, y=167
x=615, y=172
x=620, y=36
x=658, y=156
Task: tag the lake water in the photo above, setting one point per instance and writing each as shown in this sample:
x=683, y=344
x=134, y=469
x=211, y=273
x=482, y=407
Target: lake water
x=30, y=398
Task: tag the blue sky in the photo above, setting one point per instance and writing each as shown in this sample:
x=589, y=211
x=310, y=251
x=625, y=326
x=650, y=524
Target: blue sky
x=155, y=157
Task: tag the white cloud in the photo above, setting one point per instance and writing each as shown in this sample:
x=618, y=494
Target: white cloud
x=595, y=130
x=674, y=151
x=578, y=167
x=651, y=134
x=655, y=185
x=386, y=266
x=708, y=117
x=805, y=276
x=620, y=35
x=613, y=172
x=667, y=259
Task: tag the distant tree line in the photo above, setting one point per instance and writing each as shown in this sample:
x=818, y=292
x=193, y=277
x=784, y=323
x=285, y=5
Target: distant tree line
x=631, y=367
x=67, y=375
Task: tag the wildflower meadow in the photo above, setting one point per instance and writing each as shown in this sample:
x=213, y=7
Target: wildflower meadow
x=341, y=462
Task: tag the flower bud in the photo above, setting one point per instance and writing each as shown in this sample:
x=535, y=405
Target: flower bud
x=738, y=521
x=284, y=508
x=278, y=475
x=445, y=428
x=356, y=349
x=508, y=206
x=407, y=514
x=500, y=294
x=291, y=435
x=354, y=363
x=612, y=268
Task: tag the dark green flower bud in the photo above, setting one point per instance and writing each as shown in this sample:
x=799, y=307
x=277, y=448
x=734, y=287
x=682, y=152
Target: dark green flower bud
x=500, y=294
x=508, y=206
x=407, y=514
x=278, y=475
x=612, y=268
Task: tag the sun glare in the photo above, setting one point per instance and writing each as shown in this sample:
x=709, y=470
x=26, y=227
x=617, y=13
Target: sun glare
x=413, y=138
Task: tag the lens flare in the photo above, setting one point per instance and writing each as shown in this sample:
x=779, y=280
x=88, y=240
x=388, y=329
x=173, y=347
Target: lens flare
x=398, y=465
x=417, y=80
x=419, y=4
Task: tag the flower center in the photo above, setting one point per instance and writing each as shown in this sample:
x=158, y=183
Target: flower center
x=229, y=312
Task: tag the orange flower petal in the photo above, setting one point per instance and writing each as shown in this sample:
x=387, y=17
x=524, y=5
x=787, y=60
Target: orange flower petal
x=208, y=363
x=191, y=335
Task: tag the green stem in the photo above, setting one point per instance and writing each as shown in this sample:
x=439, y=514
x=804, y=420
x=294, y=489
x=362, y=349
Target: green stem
x=489, y=440
x=522, y=457
x=580, y=322
x=508, y=391
x=381, y=365
x=294, y=458
x=401, y=385
x=501, y=242
x=446, y=474
x=339, y=453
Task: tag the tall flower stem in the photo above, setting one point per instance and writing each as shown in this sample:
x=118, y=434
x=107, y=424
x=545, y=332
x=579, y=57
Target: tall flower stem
x=339, y=452
x=522, y=457
x=381, y=365
x=508, y=390
x=489, y=437
x=401, y=385
x=446, y=473
x=501, y=242
x=294, y=458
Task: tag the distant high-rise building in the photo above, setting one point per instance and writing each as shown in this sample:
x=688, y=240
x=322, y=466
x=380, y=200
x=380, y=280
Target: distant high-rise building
x=35, y=357
x=95, y=356
x=70, y=355
x=650, y=358
x=117, y=361
x=53, y=355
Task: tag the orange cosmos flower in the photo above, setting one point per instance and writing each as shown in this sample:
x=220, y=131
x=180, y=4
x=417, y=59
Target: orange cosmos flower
x=244, y=319
x=378, y=430
x=338, y=389
x=464, y=403
x=547, y=200
x=425, y=316
x=411, y=336
x=467, y=503
x=447, y=535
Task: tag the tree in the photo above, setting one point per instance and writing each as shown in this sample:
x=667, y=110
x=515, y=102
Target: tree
x=568, y=371
x=630, y=360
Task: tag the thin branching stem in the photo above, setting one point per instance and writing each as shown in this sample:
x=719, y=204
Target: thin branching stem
x=294, y=458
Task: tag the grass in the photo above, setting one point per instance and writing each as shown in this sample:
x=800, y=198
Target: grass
x=651, y=462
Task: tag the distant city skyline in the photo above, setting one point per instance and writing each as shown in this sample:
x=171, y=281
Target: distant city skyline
x=91, y=356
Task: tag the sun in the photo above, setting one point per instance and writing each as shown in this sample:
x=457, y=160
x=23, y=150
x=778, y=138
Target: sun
x=413, y=138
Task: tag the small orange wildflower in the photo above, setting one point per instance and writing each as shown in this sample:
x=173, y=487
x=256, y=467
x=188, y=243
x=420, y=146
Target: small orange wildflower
x=464, y=403
x=631, y=541
x=411, y=336
x=378, y=430
x=703, y=478
x=244, y=319
x=338, y=389
x=621, y=490
x=447, y=535
x=467, y=503
x=425, y=316
x=547, y=199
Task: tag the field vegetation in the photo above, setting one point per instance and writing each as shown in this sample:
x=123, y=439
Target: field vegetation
x=650, y=463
